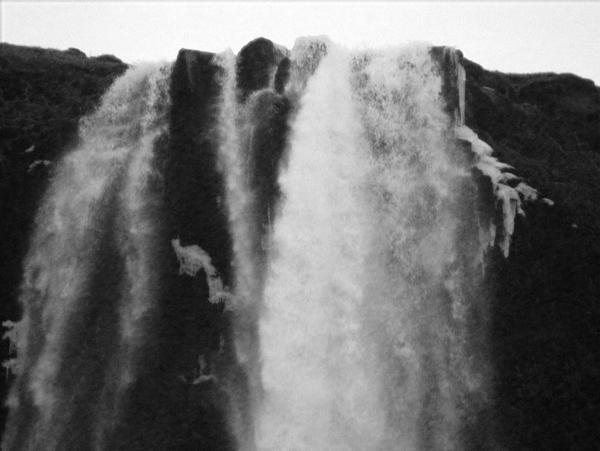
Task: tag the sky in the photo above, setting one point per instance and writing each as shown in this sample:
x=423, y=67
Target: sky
x=519, y=36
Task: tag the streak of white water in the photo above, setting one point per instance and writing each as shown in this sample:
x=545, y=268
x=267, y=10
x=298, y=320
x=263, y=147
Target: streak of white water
x=414, y=246
x=138, y=208
x=137, y=213
x=306, y=56
x=236, y=124
x=234, y=134
x=119, y=135
x=237, y=197
x=320, y=392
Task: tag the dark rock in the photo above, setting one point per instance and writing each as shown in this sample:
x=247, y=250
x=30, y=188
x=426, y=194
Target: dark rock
x=108, y=59
x=76, y=52
x=194, y=184
x=255, y=66
x=266, y=150
x=181, y=416
x=447, y=59
x=545, y=310
x=282, y=75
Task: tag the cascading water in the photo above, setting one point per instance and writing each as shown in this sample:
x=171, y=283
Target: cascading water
x=88, y=283
x=363, y=321
x=311, y=334
x=357, y=315
x=423, y=277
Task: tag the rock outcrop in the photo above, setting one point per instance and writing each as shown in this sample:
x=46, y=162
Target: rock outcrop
x=546, y=310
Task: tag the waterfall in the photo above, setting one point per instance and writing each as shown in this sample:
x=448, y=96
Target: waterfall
x=235, y=130
x=88, y=283
x=370, y=290
x=323, y=285
x=311, y=334
x=422, y=275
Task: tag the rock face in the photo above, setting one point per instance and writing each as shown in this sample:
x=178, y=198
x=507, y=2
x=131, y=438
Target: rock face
x=256, y=65
x=193, y=183
x=545, y=309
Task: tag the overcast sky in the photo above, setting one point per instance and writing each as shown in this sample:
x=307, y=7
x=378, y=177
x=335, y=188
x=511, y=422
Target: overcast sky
x=507, y=36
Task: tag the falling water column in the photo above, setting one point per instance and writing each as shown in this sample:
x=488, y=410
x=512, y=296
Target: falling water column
x=319, y=392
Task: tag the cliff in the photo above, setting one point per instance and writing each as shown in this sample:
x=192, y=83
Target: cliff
x=546, y=310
